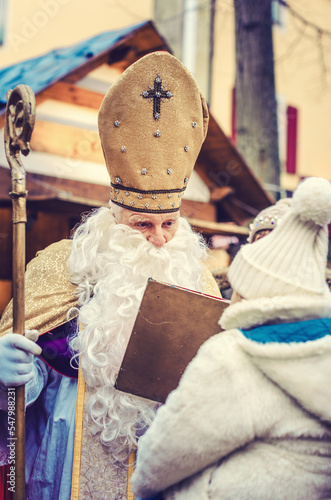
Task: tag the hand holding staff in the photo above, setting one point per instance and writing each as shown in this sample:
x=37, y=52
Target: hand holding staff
x=20, y=118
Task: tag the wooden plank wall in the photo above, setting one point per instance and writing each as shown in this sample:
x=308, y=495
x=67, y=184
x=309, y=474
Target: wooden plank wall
x=43, y=228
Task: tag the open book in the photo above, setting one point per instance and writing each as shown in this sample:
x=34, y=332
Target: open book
x=171, y=325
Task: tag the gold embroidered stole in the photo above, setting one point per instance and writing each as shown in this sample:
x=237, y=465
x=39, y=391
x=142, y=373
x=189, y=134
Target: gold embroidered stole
x=95, y=474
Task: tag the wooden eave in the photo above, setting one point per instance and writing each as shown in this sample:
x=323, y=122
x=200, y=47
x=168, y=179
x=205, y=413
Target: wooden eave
x=71, y=94
x=221, y=166
x=234, y=188
x=210, y=228
x=121, y=54
x=124, y=52
x=52, y=194
x=56, y=194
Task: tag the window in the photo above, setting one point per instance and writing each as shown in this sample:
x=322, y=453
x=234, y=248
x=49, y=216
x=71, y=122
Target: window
x=292, y=138
x=287, y=116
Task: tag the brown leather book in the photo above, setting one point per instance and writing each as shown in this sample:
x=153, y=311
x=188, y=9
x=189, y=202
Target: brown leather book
x=171, y=325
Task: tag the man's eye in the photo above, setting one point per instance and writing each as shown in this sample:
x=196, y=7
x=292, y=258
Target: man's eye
x=169, y=223
x=141, y=224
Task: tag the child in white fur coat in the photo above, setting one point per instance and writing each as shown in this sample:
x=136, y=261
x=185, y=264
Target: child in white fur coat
x=251, y=417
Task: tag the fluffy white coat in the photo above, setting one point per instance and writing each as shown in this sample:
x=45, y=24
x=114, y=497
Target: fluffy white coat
x=249, y=421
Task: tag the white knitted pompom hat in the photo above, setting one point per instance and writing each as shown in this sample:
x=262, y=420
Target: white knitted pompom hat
x=291, y=260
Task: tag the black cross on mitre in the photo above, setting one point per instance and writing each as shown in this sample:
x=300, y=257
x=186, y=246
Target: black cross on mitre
x=157, y=94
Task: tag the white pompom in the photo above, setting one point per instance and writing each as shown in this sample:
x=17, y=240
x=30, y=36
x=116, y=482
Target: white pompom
x=312, y=201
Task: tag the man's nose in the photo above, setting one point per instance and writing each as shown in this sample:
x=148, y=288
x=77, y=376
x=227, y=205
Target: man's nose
x=157, y=237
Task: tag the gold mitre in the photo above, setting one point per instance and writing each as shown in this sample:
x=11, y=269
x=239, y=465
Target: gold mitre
x=152, y=123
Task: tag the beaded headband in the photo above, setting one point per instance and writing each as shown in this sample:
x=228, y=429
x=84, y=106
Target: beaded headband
x=269, y=218
x=262, y=223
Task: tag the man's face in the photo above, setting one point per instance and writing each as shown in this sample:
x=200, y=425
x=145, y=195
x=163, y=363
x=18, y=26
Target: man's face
x=156, y=228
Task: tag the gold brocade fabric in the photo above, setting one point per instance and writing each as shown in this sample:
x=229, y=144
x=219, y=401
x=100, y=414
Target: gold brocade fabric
x=49, y=295
x=101, y=478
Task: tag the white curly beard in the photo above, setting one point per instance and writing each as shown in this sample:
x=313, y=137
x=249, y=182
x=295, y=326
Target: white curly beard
x=110, y=263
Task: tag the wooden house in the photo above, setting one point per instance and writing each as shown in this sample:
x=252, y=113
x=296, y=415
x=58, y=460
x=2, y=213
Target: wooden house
x=65, y=172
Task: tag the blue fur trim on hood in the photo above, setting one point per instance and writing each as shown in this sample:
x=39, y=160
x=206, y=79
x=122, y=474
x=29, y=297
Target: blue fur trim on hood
x=300, y=331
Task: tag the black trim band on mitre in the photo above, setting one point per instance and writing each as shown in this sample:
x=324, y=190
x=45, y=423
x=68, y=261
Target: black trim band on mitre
x=146, y=210
x=140, y=191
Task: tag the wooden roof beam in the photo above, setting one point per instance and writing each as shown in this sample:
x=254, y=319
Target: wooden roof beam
x=123, y=52
x=224, y=228
x=219, y=193
x=67, y=141
x=72, y=94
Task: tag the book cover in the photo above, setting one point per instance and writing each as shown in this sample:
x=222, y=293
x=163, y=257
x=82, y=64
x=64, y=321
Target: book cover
x=171, y=325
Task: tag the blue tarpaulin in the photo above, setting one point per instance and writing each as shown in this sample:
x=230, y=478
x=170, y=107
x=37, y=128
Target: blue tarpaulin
x=40, y=72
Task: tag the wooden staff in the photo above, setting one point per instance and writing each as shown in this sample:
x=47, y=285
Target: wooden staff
x=20, y=118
